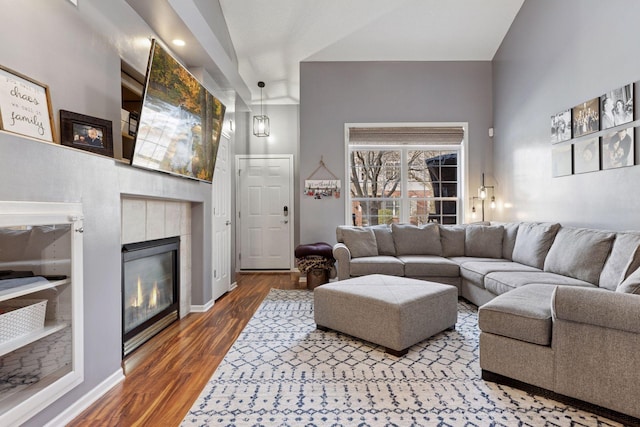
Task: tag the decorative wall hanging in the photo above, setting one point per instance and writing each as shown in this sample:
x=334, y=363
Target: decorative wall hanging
x=319, y=188
x=617, y=149
x=616, y=107
x=562, y=160
x=586, y=117
x=86, y=133
x=25, y=106
x=561, y=126
x=586, y=155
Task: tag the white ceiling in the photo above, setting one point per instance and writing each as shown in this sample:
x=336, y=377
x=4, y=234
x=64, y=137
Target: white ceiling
x=272, y=37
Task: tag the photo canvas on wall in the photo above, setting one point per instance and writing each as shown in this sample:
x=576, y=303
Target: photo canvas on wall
x=586, y=155
x=616, y=107
x=561, y=126
x=617, y=149
x=562, y=160
x=586, y=117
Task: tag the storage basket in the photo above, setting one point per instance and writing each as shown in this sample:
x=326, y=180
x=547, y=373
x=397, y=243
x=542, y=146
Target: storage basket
x=20, y=317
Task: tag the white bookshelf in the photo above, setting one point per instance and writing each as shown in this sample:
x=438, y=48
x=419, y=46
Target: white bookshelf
x=43, y=239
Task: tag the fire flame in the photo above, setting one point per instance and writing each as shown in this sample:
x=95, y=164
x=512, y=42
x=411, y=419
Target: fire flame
x=137, y=301
x=153, y=299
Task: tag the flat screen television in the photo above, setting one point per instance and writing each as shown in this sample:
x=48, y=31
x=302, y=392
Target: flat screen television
x=180, y=122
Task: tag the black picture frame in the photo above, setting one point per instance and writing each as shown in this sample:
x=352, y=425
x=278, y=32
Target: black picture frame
x=86, y=133
x=586, y=117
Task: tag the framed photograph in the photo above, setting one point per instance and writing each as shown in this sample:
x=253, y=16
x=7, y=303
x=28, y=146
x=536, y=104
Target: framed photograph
x=562, y=160
x=617, y=149
x=616, y=107
x=86, y=133
x=25, y=106
x=586, y=155
x=586, y=117
x=561, y=126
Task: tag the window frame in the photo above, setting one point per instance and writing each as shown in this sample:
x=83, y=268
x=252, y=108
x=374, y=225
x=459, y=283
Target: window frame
x=405, y=201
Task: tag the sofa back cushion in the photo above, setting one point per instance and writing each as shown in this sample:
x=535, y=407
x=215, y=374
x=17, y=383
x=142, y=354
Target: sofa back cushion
x=384, y=239
x=509, y=239
x=623, y=260
x=412, y=240
x=579, y=253
x=361, y=241
x=533, y=241
x=631, y=285
x=483, y=241
x=452, y=240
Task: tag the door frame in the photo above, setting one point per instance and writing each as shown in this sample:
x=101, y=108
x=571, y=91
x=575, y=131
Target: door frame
x=288, y=157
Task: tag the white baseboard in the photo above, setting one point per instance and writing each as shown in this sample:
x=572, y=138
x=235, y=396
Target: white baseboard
x=233, y=286
x=201, y=308
x=87, y=400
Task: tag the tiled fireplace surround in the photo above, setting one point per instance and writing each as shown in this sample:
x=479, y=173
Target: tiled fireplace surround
x=149, y=219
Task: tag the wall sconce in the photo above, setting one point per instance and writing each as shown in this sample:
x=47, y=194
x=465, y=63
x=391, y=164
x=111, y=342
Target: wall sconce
x=483, y=193
x=473, y=207
x=261, y=123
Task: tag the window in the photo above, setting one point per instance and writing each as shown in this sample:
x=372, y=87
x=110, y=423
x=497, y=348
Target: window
x=396, y=178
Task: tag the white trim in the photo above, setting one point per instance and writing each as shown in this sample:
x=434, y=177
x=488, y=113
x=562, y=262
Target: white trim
x=201, y=308
x=233, y=286
x=87, y=400
x=292, y=214
x=462, y=171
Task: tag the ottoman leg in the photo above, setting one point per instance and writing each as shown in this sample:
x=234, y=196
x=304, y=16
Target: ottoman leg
x=397, y=353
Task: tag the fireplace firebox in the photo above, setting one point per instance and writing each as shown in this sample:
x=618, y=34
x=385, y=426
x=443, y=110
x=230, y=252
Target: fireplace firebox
x=150, y=289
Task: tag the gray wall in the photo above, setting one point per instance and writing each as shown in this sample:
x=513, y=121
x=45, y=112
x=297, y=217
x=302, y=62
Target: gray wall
x=77, y=52
x=335, y=93
x=558, y=54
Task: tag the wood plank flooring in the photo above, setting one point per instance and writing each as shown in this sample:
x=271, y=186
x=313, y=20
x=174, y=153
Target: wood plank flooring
x=166, y=375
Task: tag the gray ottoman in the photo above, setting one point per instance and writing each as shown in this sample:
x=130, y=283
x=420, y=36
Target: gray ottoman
x=394, y=312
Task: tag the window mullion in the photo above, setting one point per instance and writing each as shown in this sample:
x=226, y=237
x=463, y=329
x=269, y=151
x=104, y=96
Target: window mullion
x=404, y=200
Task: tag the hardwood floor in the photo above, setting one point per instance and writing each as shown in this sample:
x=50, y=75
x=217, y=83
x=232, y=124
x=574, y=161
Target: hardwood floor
x=166, y=375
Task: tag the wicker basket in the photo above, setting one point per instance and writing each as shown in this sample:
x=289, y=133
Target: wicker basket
x=20, y=317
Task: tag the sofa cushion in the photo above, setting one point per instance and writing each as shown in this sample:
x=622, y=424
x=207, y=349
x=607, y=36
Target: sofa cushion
x=500, y=282
x=361, y=241
x=381, y=264
x=429, y=265
x=412, y=240
x=579, y=253
x=384, y=239
x=533, y=242
x=476, y=271
x=465, y=259
x=623, y=260
x=483, y=241
x=630, y=285
x=523, y=314
x=509, y=239
x=452, y=240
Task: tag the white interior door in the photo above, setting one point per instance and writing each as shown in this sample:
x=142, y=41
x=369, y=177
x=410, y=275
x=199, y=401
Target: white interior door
x=221, y=198
x=265, y=212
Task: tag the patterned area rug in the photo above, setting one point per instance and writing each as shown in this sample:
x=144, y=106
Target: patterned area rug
x=283, y=372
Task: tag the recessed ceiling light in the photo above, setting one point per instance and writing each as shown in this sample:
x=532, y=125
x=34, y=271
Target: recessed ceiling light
x=179, y=42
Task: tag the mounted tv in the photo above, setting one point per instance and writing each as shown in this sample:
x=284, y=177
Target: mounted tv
x=180, y=122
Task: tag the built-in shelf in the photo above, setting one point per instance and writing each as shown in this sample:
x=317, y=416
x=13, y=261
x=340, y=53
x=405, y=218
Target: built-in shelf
x=30, y=288
x=49, y=328
x=45, y=240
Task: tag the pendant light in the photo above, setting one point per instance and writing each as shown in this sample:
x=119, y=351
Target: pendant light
x=261, y=122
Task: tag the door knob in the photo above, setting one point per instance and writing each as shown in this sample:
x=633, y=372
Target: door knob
x=227, y=222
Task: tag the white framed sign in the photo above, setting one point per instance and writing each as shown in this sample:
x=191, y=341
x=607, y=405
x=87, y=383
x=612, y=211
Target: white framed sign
x=25, y=106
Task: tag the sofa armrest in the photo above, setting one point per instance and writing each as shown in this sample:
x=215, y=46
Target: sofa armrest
x=342, y=254
x=597, y=307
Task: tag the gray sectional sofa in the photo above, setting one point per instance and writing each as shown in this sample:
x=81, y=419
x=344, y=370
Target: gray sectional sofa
x=559, y=306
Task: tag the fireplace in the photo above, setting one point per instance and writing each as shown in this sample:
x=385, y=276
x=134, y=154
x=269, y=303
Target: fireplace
x=150, y=289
